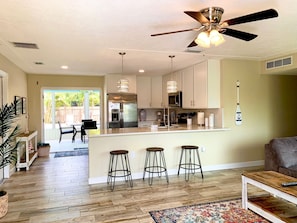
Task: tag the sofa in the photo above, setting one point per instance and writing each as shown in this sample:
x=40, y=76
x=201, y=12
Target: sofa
x=281, y=155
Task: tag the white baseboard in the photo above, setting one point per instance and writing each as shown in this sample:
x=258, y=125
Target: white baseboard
x=98, y=180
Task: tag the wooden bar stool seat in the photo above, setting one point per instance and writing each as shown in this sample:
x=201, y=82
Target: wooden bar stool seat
x=119, y=167
x=190, y=160
x=155, y=163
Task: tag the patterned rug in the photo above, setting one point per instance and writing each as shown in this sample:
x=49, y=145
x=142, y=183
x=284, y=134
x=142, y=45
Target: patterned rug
x=217, y=212
x=78, y=152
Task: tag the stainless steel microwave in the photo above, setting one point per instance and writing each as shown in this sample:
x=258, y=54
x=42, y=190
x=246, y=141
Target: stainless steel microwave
x=175, y=99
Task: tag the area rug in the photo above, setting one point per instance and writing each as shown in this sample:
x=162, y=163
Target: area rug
x=81, y=148
x=79, y=152
x=217, y=212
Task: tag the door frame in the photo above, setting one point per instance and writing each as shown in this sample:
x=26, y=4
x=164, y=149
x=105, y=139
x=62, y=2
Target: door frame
x=42, y=135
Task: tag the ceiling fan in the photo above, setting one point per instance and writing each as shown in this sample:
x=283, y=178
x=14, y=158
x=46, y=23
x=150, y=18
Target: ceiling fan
x=211, y=26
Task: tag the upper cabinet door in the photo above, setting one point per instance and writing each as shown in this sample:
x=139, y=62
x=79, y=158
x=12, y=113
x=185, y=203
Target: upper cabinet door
x=201, y=85
x=156, y=94
x=214, y=84
x=149, y=92
x=188, y=87
x=143, y=92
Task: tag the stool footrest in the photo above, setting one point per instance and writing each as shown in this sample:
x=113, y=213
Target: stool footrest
x=155, y=169
x=190, y=166
x=119, y=173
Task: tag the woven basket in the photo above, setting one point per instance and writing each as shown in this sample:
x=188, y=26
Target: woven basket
x=3, y=203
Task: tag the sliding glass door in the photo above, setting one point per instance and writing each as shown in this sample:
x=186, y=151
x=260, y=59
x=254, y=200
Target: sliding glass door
x=69, y=107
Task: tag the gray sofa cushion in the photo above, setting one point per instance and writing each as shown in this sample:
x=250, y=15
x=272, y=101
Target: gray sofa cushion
x=285, y=151
x=291, y=171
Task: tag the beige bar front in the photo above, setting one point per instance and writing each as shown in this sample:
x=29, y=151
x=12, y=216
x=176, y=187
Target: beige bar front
x=136, y=141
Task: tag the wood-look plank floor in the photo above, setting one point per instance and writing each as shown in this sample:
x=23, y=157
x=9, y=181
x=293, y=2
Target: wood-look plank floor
x=57, y=190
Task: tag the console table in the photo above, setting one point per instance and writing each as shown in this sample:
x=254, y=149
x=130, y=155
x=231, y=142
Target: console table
x=26, y=156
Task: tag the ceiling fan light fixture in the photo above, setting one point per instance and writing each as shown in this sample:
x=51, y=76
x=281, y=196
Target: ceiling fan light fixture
x=216, y=38
x=203, y=40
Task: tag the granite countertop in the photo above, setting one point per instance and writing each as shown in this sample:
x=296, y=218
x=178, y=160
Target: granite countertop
x=149, y=130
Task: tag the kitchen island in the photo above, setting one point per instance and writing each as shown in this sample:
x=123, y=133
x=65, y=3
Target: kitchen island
x=136, y=140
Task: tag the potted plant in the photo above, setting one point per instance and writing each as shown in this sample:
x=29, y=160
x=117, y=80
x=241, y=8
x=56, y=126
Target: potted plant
x=8, y=147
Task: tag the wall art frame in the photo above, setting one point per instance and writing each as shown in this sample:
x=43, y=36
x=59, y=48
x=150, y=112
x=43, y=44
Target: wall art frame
x=17, y=105
x=24, y=105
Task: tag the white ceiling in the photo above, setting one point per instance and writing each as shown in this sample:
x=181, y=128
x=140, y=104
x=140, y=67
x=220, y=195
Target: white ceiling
x=87, y=35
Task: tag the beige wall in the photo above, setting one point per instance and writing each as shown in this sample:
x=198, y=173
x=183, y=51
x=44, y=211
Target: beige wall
x=37, y=82
x=268, y=103
x=17, y=84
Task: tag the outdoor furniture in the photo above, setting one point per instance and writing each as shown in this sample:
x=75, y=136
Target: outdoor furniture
x=66, y=130
x=87, y=124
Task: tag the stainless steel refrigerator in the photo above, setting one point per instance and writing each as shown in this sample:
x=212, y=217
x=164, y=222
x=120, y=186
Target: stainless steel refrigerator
x=122, y=110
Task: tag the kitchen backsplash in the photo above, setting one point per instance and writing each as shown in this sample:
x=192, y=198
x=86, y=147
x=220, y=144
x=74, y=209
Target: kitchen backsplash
x=147, y=117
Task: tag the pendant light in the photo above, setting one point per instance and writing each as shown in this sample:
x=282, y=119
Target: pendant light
x=171, y=85
x=123, y=84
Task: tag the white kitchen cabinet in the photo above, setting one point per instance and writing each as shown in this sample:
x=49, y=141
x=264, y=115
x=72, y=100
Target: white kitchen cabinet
x=157, y=92
x=143, y=92
x=188, y=87
x=201, y=85
x=112, y=82
x=149, y=92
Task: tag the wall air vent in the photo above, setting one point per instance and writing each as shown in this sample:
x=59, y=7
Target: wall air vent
x=277, y=63
x=25, y=45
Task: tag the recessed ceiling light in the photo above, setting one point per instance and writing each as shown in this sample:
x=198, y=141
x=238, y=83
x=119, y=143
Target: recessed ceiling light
x=64, y=67
x=141, y=70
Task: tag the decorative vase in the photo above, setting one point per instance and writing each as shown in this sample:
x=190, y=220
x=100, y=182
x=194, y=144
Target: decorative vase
x=3, y=203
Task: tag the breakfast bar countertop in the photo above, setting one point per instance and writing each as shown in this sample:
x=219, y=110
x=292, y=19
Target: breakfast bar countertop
x=148, y=130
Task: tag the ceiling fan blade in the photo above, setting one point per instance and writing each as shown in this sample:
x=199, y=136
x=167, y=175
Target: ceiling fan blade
x=192, y=44
x=178, y=31
x=238, y=34
x=266, y=14
x=197, y=16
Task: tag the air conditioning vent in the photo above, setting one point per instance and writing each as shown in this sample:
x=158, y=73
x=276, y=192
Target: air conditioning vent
x=25, y=45
x=279, y=63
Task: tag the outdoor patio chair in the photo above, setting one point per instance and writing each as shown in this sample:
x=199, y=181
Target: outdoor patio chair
x=66, y=130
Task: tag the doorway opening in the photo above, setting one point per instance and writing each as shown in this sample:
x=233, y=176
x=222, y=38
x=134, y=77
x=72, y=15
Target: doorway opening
x=68, y=107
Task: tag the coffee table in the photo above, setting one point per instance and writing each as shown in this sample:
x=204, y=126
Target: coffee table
x=270, y=182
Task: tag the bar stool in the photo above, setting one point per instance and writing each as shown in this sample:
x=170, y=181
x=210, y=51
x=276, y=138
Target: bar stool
x=191, y=160
x=119, y=166
x=155, y=163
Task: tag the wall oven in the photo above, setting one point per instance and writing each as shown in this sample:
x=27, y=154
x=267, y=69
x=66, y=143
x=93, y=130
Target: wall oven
x=175, y=99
